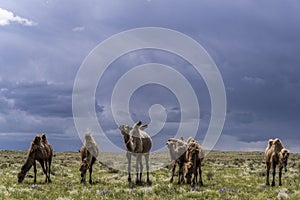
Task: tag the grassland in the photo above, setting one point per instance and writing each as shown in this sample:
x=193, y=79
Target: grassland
x=226, y=175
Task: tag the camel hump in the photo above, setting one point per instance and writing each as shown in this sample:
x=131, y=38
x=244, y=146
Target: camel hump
x=90, y=144
x=270, y=143
x=37, y=139
x=143, y=127
x=44, y=137
x=143, y=134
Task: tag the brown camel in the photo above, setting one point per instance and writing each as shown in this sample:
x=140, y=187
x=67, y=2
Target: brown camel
x=89, y=153
x=41, y=151
x=177, y=149
x=194, y=156
x=276, y=154
x=138, y=143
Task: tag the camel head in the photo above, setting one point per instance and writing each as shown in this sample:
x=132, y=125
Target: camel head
x=125, y=129
x=284, y=155
x=188, y=172
x=21, y=176
x=83, y=167
x=172, y=146
x=171, y=143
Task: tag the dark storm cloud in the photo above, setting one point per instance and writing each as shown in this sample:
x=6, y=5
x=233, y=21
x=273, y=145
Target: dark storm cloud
x=255, y=45
x=40, y=98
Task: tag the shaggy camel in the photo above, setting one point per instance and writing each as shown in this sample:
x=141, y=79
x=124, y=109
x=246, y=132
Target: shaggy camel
x=194, y=156
x=138, y=143
x=177, y=150
x=276, y=154
x=41, y=151
x=89, y=153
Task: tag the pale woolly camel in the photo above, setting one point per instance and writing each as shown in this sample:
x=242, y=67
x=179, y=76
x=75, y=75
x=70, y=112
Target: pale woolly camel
x=89, y=153
x=276, y=154
x=41, y=151
x=194, y=156
x=177, y=150
x=138, y=143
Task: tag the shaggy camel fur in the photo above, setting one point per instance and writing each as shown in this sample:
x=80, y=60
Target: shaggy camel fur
x=276, y=154
x=138, y=143
x=41, y=151
x=89, y=153
x=177, y=149
x=194, y=156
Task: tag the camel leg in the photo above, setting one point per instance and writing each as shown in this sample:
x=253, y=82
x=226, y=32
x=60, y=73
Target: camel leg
x=147, y=167
x=173, y=173
x=137, y=168
x=200, y=175
x=34, y=169
x=274, y=173
x=195, y=172
x=43, y=167
x=128, y=155
x=268, y=165
x=141, y=167
x=180, y=173
x=91, y=170
x=46, y=167
x=280, y=173
x=194, y=179
x=44, y=170
x=49, y=169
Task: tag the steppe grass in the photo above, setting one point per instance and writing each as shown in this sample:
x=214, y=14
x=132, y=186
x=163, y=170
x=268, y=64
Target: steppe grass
x=226, y=175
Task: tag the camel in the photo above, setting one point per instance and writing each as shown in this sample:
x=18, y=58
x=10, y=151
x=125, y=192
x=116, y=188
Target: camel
x=276, y=154
x=89, y=153
x=194, y=157
x=41, y=151
x=138, y=143
x=177, y=150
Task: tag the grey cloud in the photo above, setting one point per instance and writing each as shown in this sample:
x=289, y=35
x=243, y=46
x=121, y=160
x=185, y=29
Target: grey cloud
x=41, y=98
x=255, y=45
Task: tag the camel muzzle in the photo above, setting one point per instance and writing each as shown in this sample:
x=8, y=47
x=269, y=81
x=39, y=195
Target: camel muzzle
x=20, y=179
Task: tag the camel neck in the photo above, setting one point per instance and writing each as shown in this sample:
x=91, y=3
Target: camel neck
x=127, y=142
x=29, y=162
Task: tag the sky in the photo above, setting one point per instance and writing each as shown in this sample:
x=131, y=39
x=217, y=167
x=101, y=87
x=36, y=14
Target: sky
x=254, y=44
